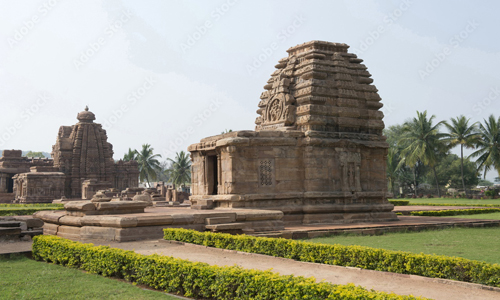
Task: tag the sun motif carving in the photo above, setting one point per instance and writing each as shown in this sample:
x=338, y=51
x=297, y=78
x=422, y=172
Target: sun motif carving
x=275, y=110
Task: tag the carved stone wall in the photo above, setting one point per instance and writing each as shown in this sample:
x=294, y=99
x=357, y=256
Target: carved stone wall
x=38, y=187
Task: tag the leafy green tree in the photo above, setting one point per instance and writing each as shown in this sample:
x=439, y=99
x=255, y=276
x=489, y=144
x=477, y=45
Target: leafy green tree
x=130, y=155
x=401, y=175
x=35, y=154
x=449, y=172
x=180, y=171
x=163, y=174
x=148, y=163
x=460, y=132
x=484, y=182
x=422, y=141
x=488, y=145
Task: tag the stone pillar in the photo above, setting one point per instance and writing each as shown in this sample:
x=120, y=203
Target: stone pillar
x=3, y=183
x=174, y=195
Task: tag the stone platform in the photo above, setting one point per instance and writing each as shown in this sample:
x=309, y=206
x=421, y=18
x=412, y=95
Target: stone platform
x=150, y=223
x=406, y=223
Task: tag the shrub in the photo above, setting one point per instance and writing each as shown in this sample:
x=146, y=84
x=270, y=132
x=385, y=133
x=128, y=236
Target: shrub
x=490, y=193
x=25, y=211
x=455, y=212
x=193, y=279
x=435, y=266
x=399, y=202
x=453, y=204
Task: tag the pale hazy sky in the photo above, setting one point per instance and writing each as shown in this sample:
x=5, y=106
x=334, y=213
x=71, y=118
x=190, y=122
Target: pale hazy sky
x=169, y=73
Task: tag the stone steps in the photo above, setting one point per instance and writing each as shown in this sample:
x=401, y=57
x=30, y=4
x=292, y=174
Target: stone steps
x=233, y=228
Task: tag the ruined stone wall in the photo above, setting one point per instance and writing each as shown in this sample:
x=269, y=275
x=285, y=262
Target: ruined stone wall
x=38, y=187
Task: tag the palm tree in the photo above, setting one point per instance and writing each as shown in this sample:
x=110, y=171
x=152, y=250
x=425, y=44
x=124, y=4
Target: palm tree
x=488, y=153
x=423, y=143
x=180, y=172
x=463, y=134
x=393, y=167
x=148, y=164
x=130, y=155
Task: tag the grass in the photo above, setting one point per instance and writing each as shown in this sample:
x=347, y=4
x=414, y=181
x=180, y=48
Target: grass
x=23, y=278
x=472, y=243
x=453, y=201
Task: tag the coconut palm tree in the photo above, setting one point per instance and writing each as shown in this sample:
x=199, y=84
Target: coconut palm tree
x=422, y=141
x=180, y=171
x=460, y=132
x=393, y=167
x=148, y=163
x=130, y=155
x=488, y=153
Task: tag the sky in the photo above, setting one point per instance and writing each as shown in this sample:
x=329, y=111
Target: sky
x=169, y=73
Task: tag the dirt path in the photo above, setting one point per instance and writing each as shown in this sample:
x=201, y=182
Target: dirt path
x=381, y=281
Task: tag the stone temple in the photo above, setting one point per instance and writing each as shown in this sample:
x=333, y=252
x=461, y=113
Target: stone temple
x=82, y=163
x=317, y=153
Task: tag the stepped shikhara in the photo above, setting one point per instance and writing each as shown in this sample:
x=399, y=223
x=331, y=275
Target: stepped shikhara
x=318, y=153
x=321, y=87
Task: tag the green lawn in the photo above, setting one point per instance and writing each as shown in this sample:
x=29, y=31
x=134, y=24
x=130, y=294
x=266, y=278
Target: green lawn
x=472, y=243
x=453, y=201
x=23, y=278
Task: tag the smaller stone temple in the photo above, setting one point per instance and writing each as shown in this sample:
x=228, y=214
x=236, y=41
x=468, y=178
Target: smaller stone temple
x=82, y=164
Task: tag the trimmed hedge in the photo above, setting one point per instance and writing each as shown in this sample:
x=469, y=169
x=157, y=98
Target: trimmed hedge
x=455, y=212
x=193, y=279
x=25, y=211
x=31, y=205
x=454, y=204
x=435, y=266
x=399, y=202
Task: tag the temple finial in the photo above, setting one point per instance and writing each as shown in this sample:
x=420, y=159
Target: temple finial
x=86, y=108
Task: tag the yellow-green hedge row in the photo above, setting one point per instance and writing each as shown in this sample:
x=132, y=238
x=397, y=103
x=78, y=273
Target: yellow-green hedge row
x=400, y=202
x=31, y=205
x=25, y=211
x=193, y=279
x=435, y=266
x=455, y=212
x=454, y=204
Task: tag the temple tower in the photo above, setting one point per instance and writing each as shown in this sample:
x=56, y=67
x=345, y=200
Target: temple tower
x=82, y=152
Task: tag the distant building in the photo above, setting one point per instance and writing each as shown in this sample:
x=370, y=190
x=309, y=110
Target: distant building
x=82, y=159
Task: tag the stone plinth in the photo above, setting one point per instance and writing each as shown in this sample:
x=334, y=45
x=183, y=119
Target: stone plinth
x=87, y=208
x=150, y=224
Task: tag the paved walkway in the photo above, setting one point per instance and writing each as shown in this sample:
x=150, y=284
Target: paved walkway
x=381, y=281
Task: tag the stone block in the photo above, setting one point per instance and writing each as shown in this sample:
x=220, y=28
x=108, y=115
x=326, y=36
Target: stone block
x=182, y=219
x=98, y=233
x=80, y=206
x=222, y=227
x=34, y=223
x=69, y=232
x=154, y=220
x=118, y=222
x=10, y=224
x=218, y=220
x=50, y=229
x=71, y=221
x=4, y=231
